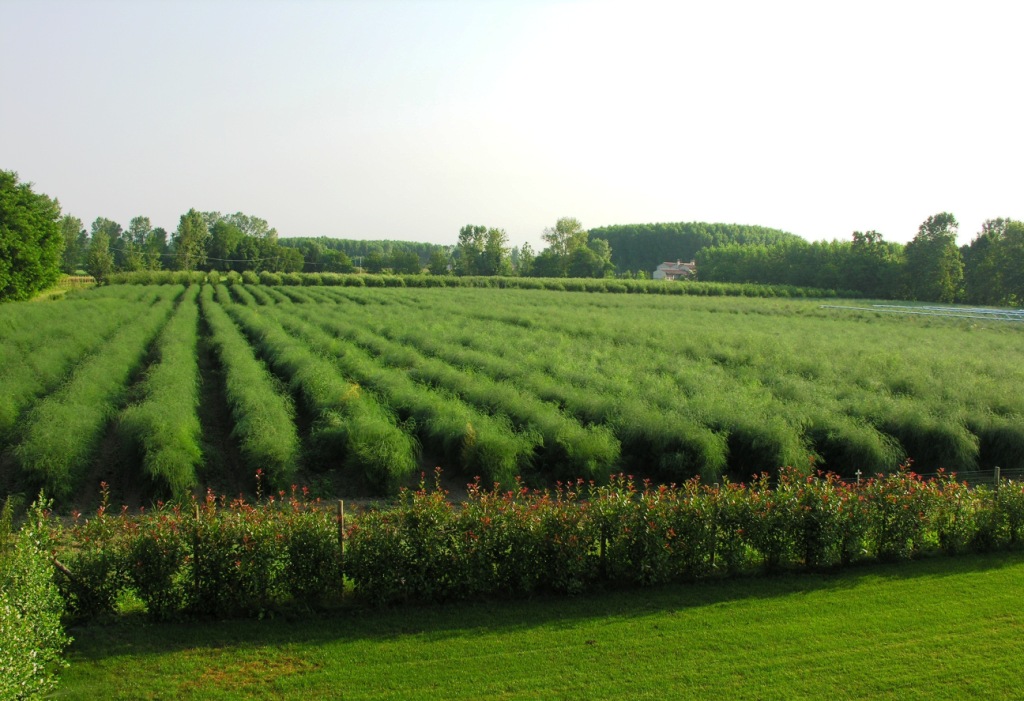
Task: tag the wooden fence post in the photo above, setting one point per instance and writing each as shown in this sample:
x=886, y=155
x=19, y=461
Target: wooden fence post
x=341, y=534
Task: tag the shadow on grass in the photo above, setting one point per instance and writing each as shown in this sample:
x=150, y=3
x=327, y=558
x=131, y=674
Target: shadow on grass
x=136, y=637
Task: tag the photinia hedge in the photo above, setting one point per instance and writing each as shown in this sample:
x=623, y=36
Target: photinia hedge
x=219, y=557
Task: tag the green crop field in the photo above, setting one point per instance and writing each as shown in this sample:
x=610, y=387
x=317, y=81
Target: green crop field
x=160, y=390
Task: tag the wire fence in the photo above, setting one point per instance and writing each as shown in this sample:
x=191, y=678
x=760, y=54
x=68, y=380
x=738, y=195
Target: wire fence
x=948, y=312
x=973, y=478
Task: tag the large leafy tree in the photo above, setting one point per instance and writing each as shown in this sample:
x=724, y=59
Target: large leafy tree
x=115, y=241
x=225, y=239
x=403, y=262
x=522, y=259
x=935, y=268
x=134, y=247
x=871, y=265
x=495, y=260
x=482, y=251
x=1012, y=263
x=994, y=264
x=190, y=240
x=983, y=268
x=592, y=260
x=470, y=249
x=243, y=242
x=438, y=263
x=99, y=261
x=571, y=253
x=155, y=249
x=31, y=242
x=565, y=236
x=76, y=242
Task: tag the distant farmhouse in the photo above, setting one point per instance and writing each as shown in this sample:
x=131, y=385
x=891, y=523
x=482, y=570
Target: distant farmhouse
x=675, y=271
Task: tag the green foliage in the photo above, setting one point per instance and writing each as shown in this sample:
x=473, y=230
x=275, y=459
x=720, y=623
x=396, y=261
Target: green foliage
x=42, y=342
x=580, y=537
x=570, y=253
x=645, y=246
x=480, y=251
x=263, y=416
x=164, y=426
x=500, y=383
x=75, y=244
x=553, y=280
x=190, y=241
x=474, y=439
x=32, y=637
x=212, y=558
x=351, y=426
x=438, y=263
x=31, y=242
x=99, y=262
x=934, y=270
x=62, y=432
x=221, y=558
x=323, y=254
x=993, y=264
x=566, y=236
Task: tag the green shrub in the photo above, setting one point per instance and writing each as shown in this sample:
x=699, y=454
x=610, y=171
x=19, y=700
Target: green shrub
x=156, y=564
x=270, y=279
x=96, y=571
x=31, y=635
x=237, y=561
x=901, y=509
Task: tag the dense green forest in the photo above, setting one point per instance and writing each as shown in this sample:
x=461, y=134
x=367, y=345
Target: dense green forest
x=322, y=254
x=642, y=247
x=989, y=270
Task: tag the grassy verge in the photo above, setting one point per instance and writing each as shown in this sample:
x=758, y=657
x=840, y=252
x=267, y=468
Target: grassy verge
x=939, y=628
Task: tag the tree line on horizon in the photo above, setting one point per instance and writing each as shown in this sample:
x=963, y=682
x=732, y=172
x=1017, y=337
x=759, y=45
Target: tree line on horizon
x=480, y=251
x=37, y=243
x=931, y=267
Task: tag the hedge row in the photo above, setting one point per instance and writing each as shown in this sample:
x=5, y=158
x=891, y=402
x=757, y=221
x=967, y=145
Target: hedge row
x=227, y=559
x=611, y=285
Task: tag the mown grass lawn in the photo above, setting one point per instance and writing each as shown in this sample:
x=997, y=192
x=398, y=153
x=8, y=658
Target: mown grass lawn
x=942, y=628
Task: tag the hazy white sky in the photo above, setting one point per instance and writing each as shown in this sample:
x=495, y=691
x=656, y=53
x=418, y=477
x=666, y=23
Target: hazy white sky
x=407, y=119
